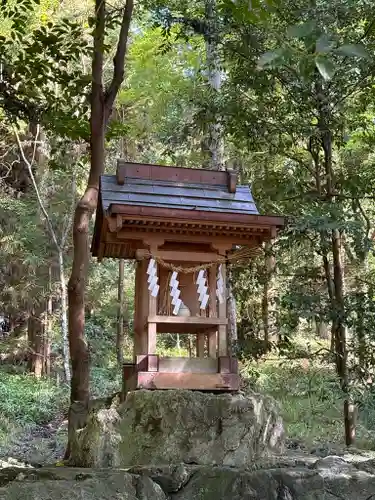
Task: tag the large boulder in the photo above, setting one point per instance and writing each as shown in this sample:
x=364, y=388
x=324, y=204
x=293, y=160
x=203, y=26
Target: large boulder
x=166, y=427
x=76, y=484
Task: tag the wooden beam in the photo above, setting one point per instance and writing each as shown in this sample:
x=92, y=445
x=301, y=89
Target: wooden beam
x=169, y=174
x=188, y=320
x=196, y=216
x=188, y=365
x=190, y=381
x=178, y=256
x=244, y=240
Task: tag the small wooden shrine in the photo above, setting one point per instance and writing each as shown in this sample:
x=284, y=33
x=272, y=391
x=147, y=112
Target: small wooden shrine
x=182, y=226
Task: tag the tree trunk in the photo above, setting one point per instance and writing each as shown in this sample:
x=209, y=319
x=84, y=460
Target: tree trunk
x=321, y=329
x=360, y=327
x=48, y=326
x=35, y=334
x=101, y=108
x=214, y=140
x=64, y=317
x=232, y=315
x=338, y=326
x=340, y=336
x=269, y=269
x=120, y=314
x=79, y=352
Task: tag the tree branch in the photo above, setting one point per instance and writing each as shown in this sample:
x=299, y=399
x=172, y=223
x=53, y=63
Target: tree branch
x=70, y=215
x=364, y=215
x=118, y=61
x=30, y=170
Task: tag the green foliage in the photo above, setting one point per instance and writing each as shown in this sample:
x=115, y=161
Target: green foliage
x=42, y=78
x=25, y=400
x=311, y=401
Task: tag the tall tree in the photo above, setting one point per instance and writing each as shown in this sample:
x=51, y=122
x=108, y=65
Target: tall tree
x=102, y=101
x=298, y=109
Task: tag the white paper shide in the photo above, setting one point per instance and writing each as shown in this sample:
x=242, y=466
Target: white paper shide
x=220, y=285
x=175, y=293
x=202, y=289
x=152, y=279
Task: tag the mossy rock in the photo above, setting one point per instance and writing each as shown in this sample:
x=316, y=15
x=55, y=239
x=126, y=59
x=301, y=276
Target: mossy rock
x=168, y=427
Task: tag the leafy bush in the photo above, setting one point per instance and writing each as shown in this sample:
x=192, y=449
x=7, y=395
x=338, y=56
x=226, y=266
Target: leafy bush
x=311, y=400
x=26, y=400
x=105, y=381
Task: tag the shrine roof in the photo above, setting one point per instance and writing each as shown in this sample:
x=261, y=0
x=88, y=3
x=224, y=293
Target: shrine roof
x=175, y=188
x=175, y=204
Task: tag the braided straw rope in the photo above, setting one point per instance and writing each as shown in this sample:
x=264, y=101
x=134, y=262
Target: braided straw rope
x=242, y=253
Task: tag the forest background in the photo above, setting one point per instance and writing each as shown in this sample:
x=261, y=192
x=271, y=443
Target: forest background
x=294, y=109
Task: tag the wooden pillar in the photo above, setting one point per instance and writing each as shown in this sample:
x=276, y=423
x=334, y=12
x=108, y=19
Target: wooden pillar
x=151, y=327
x=201, y=342
x=223, y=330
x=212, y=336
x=152, y=305
x=140, y=308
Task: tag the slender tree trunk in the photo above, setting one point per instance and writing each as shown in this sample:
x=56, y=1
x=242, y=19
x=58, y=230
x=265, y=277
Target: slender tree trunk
x=267, y=299
x=35, y=334
x=339, y=327
x=321, y=329
x=330, y=286
x=101, y=108
x=214, y=140
x=120, y=314
x=232, y=314
x=48, y=329
x=340, y=339
x=64, y=317
x=360, y=326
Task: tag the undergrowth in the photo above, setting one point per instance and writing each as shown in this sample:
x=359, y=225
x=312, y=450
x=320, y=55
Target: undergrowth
x=308, y=391
x=311, y=401
x=26, y=401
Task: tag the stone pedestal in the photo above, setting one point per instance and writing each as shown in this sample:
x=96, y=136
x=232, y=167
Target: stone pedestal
x=168, y=427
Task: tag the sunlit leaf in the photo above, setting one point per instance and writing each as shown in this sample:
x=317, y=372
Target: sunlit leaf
x=269, y=57
x=301, y=30
x=324, y=44
x=325, y=66
x=353, y=50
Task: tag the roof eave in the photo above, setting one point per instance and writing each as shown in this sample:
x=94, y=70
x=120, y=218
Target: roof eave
x=196, y=215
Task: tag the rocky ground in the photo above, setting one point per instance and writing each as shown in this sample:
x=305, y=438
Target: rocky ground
x=284, y=478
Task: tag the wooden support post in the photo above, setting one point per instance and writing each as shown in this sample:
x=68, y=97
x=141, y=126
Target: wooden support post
x=201, y=341
x=151, y=338
x=212, y=336
x=152, y=311
x=141, y=309
x=223, y=330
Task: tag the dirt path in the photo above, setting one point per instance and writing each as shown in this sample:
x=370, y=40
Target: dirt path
x=37, y=445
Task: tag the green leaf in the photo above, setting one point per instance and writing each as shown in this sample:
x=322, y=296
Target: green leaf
x=324, y=44
x=354, y=50
x=301, y=30
x=268, y=57
x=325, y=66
